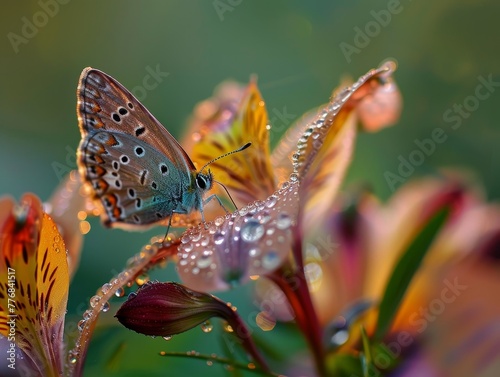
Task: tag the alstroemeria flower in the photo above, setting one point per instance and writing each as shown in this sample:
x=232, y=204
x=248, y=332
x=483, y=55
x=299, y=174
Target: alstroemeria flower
x=167, y=309
x=437, y=311
x=257, y=239
x=34, y=285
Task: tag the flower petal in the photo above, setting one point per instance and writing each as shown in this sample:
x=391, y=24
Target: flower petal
x=382, y=108
x=34, y=255
x=247, y=175
x=332, y=118
x=69, y=207
x=252, y=241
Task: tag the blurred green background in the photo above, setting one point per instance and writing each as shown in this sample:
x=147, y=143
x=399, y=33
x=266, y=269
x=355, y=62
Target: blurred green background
x=294, y=47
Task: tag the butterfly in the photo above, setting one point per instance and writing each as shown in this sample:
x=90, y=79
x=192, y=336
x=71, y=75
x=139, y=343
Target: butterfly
x=135, y=168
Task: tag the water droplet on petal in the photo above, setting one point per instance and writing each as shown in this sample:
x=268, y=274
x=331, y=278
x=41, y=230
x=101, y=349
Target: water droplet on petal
x=254, y=252
x=218, y=238
x=87, y=314
x=72, y=357
x=120, y=292
x=105, y=307
x=205, y=259
x=142, y=279
x=271, y=260
x=168, y=337
x=252, y=231
x=81, y=325
x=264, y=217
x=94, y=301
x=271, y=201
x=227, y=327
x=105, y=288
x=283, y=221
x=131, y=295
x=207, y=327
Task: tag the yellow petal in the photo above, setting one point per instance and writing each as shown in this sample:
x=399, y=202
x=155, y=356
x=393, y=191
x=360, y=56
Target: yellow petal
x=35, y=280
x=247, y=175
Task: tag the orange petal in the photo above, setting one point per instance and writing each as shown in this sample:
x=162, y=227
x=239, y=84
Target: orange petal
x=35, y=281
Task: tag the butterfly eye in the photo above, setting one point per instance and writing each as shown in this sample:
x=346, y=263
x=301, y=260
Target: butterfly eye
x=203, y=182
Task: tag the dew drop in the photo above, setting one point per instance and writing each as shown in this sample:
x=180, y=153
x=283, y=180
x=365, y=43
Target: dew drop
x=168, y=337
x=264, y=217
x=219, y=221
x=142, y=279
x=105, y=307
x=72, y=357
x=271, y=260
x=254, y=252
x=131, y=295
x=271, y=201
x=227, y=327
x=206, y=327
x=94, y=301
x=210, y=363
x=196, y=237
x=87, y=314
x=204, y=241
x=81, y=325
x=283, y=221
x=105, y=288
x=252, y=231
x=205, y=259
x=120, y=292
x=218, y=238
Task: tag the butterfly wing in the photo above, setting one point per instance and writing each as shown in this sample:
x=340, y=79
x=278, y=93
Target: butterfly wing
x=112, y=124
x=105, y=104
x=135, y=183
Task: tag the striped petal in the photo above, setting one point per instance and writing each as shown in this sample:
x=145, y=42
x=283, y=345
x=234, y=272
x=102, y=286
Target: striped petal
x=34, y=283
x=247, y=175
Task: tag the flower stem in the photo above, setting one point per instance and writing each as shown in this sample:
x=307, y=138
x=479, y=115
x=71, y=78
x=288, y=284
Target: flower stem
x=305, y=316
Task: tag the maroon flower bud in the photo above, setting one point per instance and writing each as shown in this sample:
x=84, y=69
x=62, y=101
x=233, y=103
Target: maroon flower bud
x=165, y=309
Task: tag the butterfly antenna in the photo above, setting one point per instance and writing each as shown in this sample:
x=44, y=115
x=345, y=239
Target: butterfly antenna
x=225, y=155
x=227, y=192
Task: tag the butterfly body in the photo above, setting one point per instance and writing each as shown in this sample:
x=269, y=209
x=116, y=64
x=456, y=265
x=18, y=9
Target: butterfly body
x=135, y=168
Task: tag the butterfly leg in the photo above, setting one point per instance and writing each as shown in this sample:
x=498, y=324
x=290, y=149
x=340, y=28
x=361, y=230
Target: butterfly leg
x=170, y=222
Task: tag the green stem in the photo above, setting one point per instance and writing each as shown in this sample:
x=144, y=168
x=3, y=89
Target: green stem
x=223, y=361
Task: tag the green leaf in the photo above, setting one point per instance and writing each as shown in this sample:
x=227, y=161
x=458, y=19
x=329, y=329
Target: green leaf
x=366, y=355
x=403, y=273
x=366, y=345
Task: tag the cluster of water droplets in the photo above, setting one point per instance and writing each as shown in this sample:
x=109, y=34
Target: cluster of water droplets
x=312, y=139
x=115, y=287
x=252, y=241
